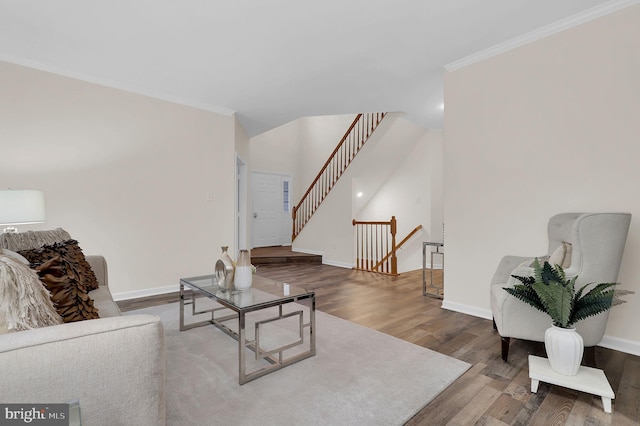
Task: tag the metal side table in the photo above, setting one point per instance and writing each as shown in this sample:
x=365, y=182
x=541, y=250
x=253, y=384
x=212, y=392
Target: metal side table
x=438, y=291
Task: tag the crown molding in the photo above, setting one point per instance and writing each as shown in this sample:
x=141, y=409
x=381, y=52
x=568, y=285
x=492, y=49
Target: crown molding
x=113, y=85
x=554, y=28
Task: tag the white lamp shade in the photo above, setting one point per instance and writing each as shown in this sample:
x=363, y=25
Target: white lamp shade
x=19, y=207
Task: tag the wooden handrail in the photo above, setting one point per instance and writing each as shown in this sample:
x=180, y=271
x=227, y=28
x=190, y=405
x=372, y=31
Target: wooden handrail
x=322, y=170
x=404, y=240
x=357, y=222
x=353, y=140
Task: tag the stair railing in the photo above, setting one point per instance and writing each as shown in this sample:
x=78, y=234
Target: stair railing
x=376, y=248
x=376, y=241
x=344, y=153
x=393, y=252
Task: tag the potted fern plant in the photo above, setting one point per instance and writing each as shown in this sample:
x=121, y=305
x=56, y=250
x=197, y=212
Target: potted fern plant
x=549, y=291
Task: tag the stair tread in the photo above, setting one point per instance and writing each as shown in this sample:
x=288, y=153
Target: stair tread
x=281, y=254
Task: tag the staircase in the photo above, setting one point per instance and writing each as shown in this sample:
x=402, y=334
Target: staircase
x=351, y=143
x=282, y=254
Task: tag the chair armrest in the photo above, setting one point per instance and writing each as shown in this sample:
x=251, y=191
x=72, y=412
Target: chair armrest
x=503, y=305
x=514, y=318
x=114, y=366
x=506, y=267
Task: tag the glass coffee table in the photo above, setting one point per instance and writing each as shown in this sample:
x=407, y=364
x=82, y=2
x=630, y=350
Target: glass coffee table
x=263, y=295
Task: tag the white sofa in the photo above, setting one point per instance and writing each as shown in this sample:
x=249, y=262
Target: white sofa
x=114, y=366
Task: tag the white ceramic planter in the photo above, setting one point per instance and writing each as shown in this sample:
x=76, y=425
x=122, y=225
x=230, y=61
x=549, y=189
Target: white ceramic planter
x=243, y=273
x=243, y=277
x=564, y=349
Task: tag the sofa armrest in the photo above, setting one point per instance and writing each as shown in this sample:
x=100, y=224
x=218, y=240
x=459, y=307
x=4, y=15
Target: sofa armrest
x=99, y=265
x=115, y=367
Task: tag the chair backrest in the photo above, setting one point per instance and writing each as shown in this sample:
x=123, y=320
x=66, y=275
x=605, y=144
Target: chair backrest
x=597, y=241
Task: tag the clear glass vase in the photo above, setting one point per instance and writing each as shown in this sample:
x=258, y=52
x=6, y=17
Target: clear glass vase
x=243, y=274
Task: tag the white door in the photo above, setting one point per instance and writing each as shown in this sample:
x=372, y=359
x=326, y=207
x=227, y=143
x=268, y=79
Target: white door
x=271, y=209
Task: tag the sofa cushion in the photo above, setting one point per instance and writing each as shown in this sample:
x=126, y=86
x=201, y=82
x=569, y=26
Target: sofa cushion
x=4, y=327
x=561, y=255
x=24, y=302
x=103, y=301
x=75, y=262
x=32, y=239
x=68, y=294
x=16, y=256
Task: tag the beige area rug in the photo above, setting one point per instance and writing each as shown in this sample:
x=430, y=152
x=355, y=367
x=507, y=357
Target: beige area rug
x=358, y=377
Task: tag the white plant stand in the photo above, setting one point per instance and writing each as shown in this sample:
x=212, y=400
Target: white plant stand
x=590, y=380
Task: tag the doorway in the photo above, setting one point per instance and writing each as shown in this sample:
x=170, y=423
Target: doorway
x=271, y=200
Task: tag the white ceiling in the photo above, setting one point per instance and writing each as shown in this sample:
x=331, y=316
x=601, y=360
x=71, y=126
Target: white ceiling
x=273, y=61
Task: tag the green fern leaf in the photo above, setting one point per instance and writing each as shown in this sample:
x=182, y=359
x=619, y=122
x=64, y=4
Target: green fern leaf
x=525, y=280
x=549, y=291
x=550, y=274
x=526, y=294
x=595, y=307
x=595, y=301
x=558, y=301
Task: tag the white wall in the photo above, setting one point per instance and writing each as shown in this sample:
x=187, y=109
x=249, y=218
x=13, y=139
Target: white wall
x=408, y=194
x=436, y=166
x=319, y=136
x=330, y=232
x=243, y=189
x=278, y=151
x=299, y=148
x=126, y=175
x=394, y=170
x=546, y=128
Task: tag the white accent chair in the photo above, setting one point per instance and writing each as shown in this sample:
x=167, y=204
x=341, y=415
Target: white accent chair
x=597, y=244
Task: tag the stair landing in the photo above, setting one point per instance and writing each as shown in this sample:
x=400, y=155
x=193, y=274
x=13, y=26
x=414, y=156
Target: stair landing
x=281, y=254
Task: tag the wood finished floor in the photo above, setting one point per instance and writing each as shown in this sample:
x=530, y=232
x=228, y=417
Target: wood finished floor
x=491, y=392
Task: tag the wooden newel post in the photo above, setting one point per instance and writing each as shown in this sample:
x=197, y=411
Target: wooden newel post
x=358, y=245
x=394, y=259
x=293, y=216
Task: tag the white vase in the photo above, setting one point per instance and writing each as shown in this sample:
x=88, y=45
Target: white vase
x=243, y=273
x=564, y=349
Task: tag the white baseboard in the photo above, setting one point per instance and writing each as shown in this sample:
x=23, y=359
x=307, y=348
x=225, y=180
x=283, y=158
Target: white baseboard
x=135, y=294
x=324, y=261
x=609, y=342
x=621, y=345
x=466, y=309
x=305, y=251
x=338, y=264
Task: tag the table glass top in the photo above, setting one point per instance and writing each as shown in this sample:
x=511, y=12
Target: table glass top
x=262, y=292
